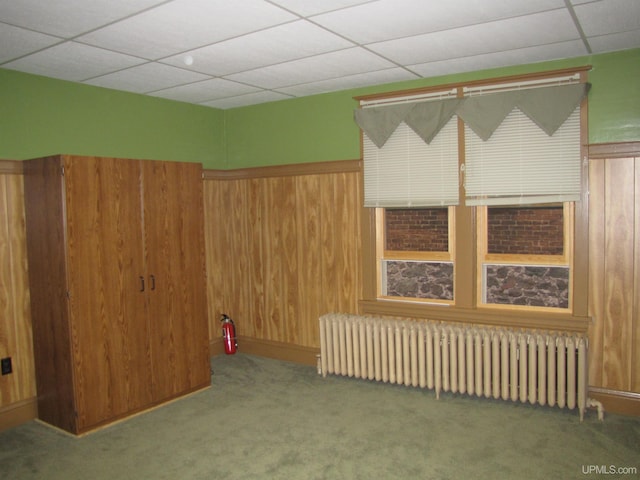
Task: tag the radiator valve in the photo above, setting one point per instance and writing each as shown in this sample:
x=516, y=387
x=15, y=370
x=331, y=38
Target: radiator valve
x=593, y=403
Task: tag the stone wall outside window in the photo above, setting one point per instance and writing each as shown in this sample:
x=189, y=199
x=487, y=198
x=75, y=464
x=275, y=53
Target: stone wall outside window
x=414, y=279
x=534, y=286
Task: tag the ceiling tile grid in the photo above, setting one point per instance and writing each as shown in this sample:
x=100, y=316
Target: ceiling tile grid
x=227, y=54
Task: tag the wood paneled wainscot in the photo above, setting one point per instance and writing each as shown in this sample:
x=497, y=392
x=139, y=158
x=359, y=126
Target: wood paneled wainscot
x=283, y=248
x=117, y=282
x=614, y=275
x=17, y=389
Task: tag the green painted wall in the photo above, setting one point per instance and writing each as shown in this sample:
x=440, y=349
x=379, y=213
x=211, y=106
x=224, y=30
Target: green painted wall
x=42, y=116
x=321, y=127
x=614, y=100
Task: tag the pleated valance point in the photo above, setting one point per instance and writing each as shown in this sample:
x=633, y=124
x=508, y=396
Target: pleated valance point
x=547, y=107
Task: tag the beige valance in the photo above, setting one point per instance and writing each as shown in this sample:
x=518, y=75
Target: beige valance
x=379, y=123
x=547, y=107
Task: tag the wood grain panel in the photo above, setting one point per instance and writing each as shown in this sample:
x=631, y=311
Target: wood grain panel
x=347, y=203
x=15, y=332
x=277, y=198
x=109, y=341
x=619, y=248
x=211, y=249
x=310, y=274
x=219, y=229
x=237, y=242
x=331, y=221
x=596, y=269
x=252, y=246
x=47, y=280
x=8, y=388
x=23, y=361
x=272, y=318
x=215, y=220
x=175, y=276
x=292, y=325
x=238, y=262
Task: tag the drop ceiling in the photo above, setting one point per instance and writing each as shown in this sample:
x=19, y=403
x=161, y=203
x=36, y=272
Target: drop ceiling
x=232, y=53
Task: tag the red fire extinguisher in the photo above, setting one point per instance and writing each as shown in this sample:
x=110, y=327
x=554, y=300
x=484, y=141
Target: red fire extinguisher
x=229, y=335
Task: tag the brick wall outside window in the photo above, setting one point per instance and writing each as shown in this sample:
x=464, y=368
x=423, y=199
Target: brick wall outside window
x=512, y=230
x=417, y=229
x=525, y=230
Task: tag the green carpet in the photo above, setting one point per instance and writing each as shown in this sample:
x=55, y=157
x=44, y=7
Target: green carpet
x=267, y=419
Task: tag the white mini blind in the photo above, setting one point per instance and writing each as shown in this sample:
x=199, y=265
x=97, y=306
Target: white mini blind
x=521, y=164
x=407, y=172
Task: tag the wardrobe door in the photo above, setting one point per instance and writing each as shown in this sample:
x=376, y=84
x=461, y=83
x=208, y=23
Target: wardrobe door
x=175, y=266
x=109, y=335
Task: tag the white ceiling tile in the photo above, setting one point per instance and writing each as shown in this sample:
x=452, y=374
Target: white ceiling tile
x=536, y=54
x=520, y=32
x=245, y=100
x=67, y=18
x=183, y=25
x=73, y=61
x=611, y=16
x=391, y=19
x=616, y=41
x=295, y=48
x=206, y=90
x=351, y=81
x=266, y=47
x=149, y=77
x=319, y=67
x=17, y=42
x=307, y=8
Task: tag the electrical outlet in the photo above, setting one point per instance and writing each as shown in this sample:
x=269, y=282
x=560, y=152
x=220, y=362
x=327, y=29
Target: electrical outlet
x=5, y=366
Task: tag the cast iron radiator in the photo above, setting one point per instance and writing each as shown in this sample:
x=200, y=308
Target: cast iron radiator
x=539, y=367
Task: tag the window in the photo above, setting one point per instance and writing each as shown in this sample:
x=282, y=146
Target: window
x=411, y=175
x=510, y=234
x=416, y=261
x=524, y=256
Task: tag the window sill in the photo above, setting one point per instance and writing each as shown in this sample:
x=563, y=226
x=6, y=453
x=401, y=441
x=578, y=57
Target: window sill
x=484, y=316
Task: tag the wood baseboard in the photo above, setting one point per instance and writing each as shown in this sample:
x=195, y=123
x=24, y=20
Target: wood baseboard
x=17, y=413
x=216, y=347
x=267, y=348
x=615, y=401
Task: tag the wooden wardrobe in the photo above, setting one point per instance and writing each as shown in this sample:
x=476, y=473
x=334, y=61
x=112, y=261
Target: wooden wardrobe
x=117, y=284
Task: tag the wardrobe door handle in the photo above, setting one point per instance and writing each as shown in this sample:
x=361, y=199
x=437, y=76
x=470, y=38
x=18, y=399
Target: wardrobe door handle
x=141, y=283
x=153, y=282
